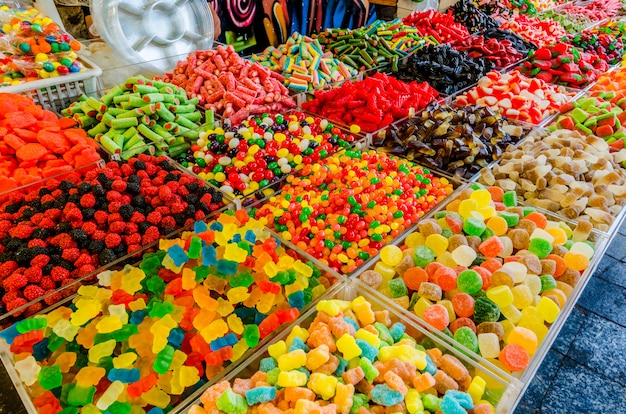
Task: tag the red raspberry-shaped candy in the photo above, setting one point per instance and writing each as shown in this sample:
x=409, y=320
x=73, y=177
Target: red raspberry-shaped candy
x=7, y=268
x=83, y=259
x=85, y=270
x=14, y=282
x=32, y=292
x=47, y=224
x=88, y=200
x=154, y=218
x=5, y=225
x=133, y=247
x=168, y=222
x=112, y=240
x=37, y=243
x=11, y=296
x=159, y=181
x=113, y=196
x=53, y=298
x=53, y=213
x=117, y=227
x=178, y=208
x=40, y=260
x=153, y=233
x=119, y=185
x=134, y=238
x=33, y=309
x=137, y=217
x=155, y=202
x=58, y=273
x=47, y=199
x=149, y=190
x=127, y=170
x=143, y=175
x=70, y=254
x=182, y=191
x=115, y=217
x=98, y=235
x=165, y=193
x=163, y=210
x=21, y=231
x=200, y=215
x=89, y=227
x=66, y=242
x=151, y=169
x=73, y=214
x=101, y=217
x=173, y=185
x=36, y=219
x=114, y=206
x=131, y=228
x=126, y=199
x=33, y=274
x=47, y=283
x=15, y=304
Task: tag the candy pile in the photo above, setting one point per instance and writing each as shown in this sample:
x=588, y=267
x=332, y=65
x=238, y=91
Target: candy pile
x=540, y=32
x=350, y=359
x=474, y=19
x=492, y=275
x=458, y=140
x=595, y=10
x=444, y=68
x=144, y=335
x=67, y=229
x=442, y=27
x=570, y=22
x=342, y=211
x=564, y=172
x=139, y=112
x=244, y=158
x=517, y=96
x=303, y=64
x=372, y=103
x=518, y=42
x=365, y=48
x=606, y=46
x=501, y=52
x=36, y=144
x=229, y=85
x=595, y=116
x=563, y=64
x=611, y=86
x=34, y=47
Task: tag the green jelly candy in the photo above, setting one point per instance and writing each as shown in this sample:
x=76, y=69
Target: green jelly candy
x=160, y=309
x=120, y=408
x=511, y=219
x=527, y=210
x=195, y=247
x=232, y=403
x=509, y=199
x=358, y=401
x=423, y=255
x=469, y=281
x=244, y=279
x=369, y=369
x=31, y=324
x=272, y=376
x=473, y=226
x=431, y=402
x=251, y=335
x=50, y=377
x=383, y=333
x=466, y=337
x=540, y=247
x=80, y=396
x=485, y=310
x=547, y=282
x=398, y=288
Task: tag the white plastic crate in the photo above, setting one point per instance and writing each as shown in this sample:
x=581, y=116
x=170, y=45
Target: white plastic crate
x=59, y=92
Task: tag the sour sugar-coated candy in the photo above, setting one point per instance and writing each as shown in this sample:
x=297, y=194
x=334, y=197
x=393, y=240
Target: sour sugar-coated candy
x=403, y=376
x=483, y=299
x=144, y=335
x=347, y=199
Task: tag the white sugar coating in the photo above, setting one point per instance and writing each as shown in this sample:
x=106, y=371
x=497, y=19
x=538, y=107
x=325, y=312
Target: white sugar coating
x=582, y=248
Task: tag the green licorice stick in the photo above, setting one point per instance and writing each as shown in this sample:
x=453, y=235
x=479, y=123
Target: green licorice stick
x=181, y=120
x=135, y=102
x=132, y=141
x=194, y=117
x=149, y=109
x=120, y=98
x=171, y=99
x=130, y=132
x=140, y=149
x=209, y=117
x=84, y=121
x=164, y=113
x=153, y=97
x=176, y=151
x=107, y=119
x=119, y=140
x=96, y=104
x=124, y=123
x=131, y=113
x=166, y=89
x=113, y=93
x=115, y=111
x=163, y=133
x=145, y=89
x=110, y=145
x=150, y=134
x=182, y=109
x=177, y=141
x=87, y=109
x=100, y=128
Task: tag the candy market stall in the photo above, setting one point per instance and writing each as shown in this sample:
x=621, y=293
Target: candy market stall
x=393, y=218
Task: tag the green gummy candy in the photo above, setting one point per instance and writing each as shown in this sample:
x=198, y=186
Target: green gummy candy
x=510, y=199
x=50, y=377
x=120, y=408
x=232, y=403
x=383, y=333
x=369, y=369
x=358, y=401
x=511, y=219
x=398, y=288
x=474, y=226
x=485, y=310
x=423, y=255
x=547, y=282
x=80, y=396
x=527, y=210
x=466, y=337
x=579, y=115
x=431, y=402
x=272, y=376
x=540, y=247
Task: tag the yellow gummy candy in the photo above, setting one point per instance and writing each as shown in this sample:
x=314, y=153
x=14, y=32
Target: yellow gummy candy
x=224, y=307
x=239, y=349
x=214, y=330
x=277, y=349
x=329, y=307
x=156, y=397
x=237, y=295
x=189, y=279
x=348, y=347
x=291, y=379
x=125, y=360
x=317, y=357
x=404, y=353
x=86, y=309
x=101, y=350
x=108, y=324
x=368, y=337
x=88, y=376
x=323, y=385
x=265, y=304
x=292, y=360
x=413, y=402
x=235, y=324
x=437, y=243
x=477, y=388
x=363, y=311
x=131, y=280
x=188, y=376
x=297, y=332
x=548, y=309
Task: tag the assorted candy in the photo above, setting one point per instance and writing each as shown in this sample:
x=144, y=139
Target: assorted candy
x=501, y=52
x=352, y=358
x=229, y=85
x=372, y=103
x=595, y=116
x=137, y=113
x=143, y=336
x=563, y=64
x=365, y=49
x=572, y=23
x=441, y=27
x=595, y=10
x=541, y=32
x=492, y=275
x=242, y=159
x=606, y=46
x=33, y=47
x=304, y=64
x=516, y=96
x=444, y=68
x=611, y=87
x=35, y=144
x=344, y=209
x=460, y=140
x=521, y=45
x=69, y=228
x=566, y=173
x=474, y=19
